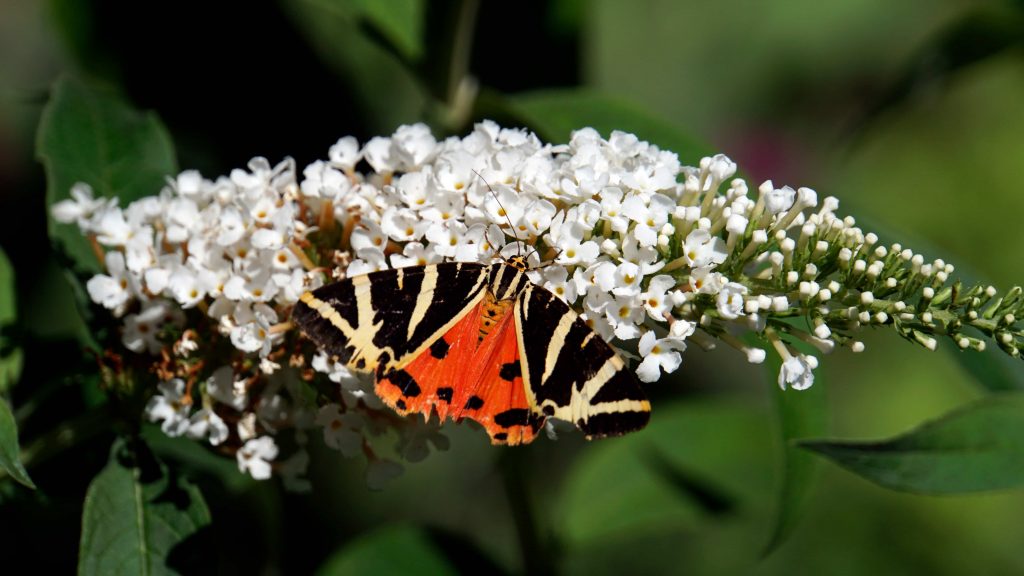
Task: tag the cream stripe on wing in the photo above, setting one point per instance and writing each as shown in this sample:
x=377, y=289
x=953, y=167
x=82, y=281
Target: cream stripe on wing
x=423, y=299
x=556, y=344
x=327, y=312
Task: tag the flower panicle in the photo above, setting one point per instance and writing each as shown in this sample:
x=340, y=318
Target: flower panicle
x=647, y=250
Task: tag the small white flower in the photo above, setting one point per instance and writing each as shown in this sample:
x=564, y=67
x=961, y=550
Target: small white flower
x=655, y=299
x=377, y=153
x=445, y=238
x=650, y=214
x=414, y=254
x=341, y=431
x=185, y=287
x=401, y=224
x=79, y=208
x=682, y=329
x=255, y=457
x=344, y=153
x=111, y=227
x=659, y=354
x=730, y=300
x=321, y=180
x=702, y=249
x=171, y=407
x=368, y=235
x=368, y=260
x=267, y=239
x=612, y=209
x=142, y=330
x=704, y=281
x=797, y=372
x=382, y=471
x=205, y=423
x=190, y=184
x=627, y=279
x=537, y=216
x=556, y=279
x=252, y=328
x=646, y=257
x=111, y=291
x=571, y=246
x=777, y=200
x=412, y=145
x=221, y=386
x=624, y=313
x=231, y=227
x=181, y=216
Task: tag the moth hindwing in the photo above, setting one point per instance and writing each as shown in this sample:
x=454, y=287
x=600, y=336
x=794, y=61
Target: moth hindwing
x=475, y=341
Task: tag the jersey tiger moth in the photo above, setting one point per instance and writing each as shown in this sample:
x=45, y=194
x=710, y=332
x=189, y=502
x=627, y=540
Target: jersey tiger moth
x=478, y=341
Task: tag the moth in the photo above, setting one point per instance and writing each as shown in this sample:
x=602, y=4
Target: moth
x=477, y=341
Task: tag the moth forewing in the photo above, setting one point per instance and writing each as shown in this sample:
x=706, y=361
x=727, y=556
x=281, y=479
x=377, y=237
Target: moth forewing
x=382, y=321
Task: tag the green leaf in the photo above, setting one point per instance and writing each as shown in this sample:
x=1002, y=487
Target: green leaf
x=10, y=359
x=554, y=114
x=801, y=414
x=975, y=448
x=90, y=135
x=135, y=514
x=975, y=37
x=390, y=550
x=631, y=485
x=385, y=88
x=400, y=22
x=9, y=458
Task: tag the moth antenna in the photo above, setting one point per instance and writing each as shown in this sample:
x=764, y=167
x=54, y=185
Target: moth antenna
x=505, y=212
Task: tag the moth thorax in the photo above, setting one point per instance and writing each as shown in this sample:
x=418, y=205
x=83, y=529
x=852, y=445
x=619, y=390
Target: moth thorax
x=491, y=312
x=518, y=262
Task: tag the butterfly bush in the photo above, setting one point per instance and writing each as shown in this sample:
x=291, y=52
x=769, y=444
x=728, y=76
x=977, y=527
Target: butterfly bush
x=653, y=254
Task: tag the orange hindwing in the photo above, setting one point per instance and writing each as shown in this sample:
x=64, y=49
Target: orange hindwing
x=468, y=374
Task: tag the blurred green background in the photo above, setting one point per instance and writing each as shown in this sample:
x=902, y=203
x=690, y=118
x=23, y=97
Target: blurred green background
x=911, y=113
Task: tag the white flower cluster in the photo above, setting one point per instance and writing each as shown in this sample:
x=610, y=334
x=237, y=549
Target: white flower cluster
x=646, y=249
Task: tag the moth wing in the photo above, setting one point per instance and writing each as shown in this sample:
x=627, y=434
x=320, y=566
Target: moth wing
x=571, y=373
x=383, y=320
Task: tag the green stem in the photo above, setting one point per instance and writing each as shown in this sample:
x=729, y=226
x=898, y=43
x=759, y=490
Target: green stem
x=534, y=552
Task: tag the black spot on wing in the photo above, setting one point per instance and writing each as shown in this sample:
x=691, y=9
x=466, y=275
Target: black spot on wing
x=445, y=394
x=501, y=436
x=613, y=424
x=439, y=349
x=474, y=403
x=512, y=417
x=457, y=286
x=404, y=382
x=400, y=404
x=510, y=371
